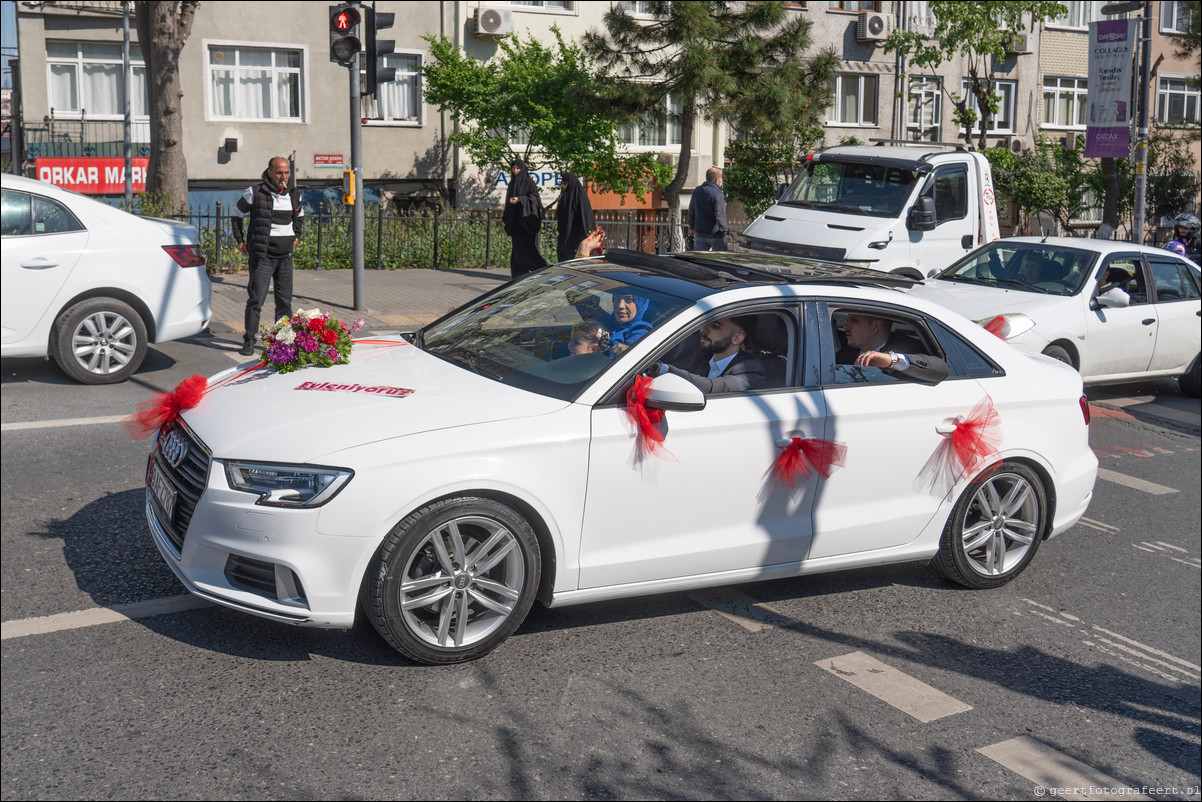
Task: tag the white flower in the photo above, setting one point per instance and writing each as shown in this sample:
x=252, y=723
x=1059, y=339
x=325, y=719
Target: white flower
x=308, y=314
x=285, y=336
x=283, y=323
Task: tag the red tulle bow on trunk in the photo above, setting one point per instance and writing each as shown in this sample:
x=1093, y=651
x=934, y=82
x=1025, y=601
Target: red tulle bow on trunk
x=806, y=453
x=165, y=407
x=977, y=437
x=646, y=421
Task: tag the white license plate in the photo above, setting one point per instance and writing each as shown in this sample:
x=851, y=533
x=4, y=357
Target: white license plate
x=163, y=492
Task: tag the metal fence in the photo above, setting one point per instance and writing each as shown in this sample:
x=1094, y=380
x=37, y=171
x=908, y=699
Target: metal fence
x=437, y=240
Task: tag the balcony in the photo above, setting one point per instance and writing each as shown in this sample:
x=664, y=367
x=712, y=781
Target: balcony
x=58, y=138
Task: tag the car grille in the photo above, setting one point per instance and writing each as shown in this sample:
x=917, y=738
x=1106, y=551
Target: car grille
x=188, y=477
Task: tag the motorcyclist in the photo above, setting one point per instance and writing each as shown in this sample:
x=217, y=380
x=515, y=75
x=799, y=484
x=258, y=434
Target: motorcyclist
x=1185, y=231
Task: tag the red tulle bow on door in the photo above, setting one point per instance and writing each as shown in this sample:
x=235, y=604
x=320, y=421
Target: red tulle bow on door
x=165, y=407
x=805, y=454
x=976, y=438
x=646, y=421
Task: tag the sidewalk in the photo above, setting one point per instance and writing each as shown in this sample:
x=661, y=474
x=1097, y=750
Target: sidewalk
x=394, y=299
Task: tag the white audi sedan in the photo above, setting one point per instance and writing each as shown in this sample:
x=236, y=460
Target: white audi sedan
x=519, y=449
x=92, y=286
x=1116, y=311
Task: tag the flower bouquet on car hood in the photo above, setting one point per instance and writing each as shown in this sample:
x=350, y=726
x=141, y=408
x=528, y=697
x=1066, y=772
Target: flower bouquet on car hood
x=310, y=337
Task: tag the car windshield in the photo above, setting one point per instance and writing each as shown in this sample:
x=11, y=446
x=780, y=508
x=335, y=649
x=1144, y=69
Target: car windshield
x=1025, y=266
x=554, y=331
x=877, y=190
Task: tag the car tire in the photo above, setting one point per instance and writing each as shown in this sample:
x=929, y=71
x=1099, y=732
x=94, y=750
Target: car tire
x=99, y=341
x=1191, y=380
x=1059, y=354
x=995, y=528
x=475, y=561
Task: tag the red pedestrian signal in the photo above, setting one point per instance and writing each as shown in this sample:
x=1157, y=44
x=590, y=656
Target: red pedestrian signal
x=344, y=33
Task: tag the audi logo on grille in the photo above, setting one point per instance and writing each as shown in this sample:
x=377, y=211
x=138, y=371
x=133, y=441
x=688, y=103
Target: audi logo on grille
x=174, y=448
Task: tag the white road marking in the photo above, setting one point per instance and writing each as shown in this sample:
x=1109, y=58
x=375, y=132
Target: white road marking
x=1151, y=649
x=1099, y=525
x=886, y=683
x=51, y=424
x=1135, y=484
x=99, y=615
x=1142, y=656
x=1055, y=771
x=740, y=608
x=1171, y=546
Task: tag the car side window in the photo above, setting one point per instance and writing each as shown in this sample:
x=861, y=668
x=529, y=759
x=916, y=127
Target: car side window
x=1127, y=275
x=951, y=195
x=893, y=333
x=1174, y=281
x=15, y=217
x=51, y=218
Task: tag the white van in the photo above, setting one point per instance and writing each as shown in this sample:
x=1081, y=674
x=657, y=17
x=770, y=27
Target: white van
x=911, y=210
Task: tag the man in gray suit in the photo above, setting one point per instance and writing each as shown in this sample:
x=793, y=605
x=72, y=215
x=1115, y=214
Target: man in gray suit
x=729, y=368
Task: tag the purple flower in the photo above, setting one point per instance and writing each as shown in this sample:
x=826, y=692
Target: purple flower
x=281, y=352
x=307, y=341
x=332, y=354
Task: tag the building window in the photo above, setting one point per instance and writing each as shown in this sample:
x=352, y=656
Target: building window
x=925, y=109
x=1003, y=120
x=1080, y=14
x=1175, y=16
x=1176, y=102
x=653, y=131
x=399, y=100
x=852, y=5
x=854, y=99
x=253, y=83
x=549, y=5
x=1065, y=101
x=85, y=79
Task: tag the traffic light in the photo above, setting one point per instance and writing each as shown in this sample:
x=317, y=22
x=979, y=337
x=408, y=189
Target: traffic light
x=344, y=33
x=377, y=49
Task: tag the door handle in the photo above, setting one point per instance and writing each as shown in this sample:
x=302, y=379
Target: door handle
x=785, y=442
x=947, y=427
x=1149, y=321
x=39, y=264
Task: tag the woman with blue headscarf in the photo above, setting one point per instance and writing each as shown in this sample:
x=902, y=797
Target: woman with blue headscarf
x=629, y=320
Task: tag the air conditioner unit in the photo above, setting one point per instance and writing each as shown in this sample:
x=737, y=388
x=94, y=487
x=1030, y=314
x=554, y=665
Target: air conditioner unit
x=873, y=26
x=492, y=22
x=1019, y=44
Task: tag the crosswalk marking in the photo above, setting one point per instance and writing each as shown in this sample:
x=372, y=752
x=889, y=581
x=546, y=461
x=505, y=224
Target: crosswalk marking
x=52, y=424
x=740, y=608
x=1054, y=772
x=99, y=615
x=894, y=687
x=1133, y=483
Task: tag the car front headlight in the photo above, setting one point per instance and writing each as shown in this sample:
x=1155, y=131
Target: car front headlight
x=287, y=485
x=1011, y=325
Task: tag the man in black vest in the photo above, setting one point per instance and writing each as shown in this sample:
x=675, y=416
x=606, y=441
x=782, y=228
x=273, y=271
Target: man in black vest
x=275, y=218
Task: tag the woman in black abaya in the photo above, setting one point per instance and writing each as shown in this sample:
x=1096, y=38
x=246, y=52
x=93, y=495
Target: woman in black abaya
x=523, y=217
x=574, y=215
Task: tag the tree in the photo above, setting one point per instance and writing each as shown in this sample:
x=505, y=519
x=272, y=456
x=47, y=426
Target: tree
x=163, y=29
x=979, y=33
x=758, y=165
x=544, y=97
x=717, y=60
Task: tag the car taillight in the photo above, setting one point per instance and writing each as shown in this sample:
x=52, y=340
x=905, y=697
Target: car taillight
x=186, y=255
x=1085, y=409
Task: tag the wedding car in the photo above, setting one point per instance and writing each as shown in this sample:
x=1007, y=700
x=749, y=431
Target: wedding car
x=91, y=285
x=529, y=446
x=1115, y=311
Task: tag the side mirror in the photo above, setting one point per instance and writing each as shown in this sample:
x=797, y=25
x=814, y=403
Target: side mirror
x=922, y=215
x=1114, y=298
x=675, y=394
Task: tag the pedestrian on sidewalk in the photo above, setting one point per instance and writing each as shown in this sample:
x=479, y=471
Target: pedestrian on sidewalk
x=574, y=214
x=274, y=228
x=707, y=214
x=523, y=217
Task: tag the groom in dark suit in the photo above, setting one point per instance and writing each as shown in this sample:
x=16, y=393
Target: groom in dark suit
x=728, y=368
x=871, y=344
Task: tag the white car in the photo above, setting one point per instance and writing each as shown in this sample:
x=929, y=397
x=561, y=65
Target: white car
x=90, y=285
x=1115, y=311
x=448, y=479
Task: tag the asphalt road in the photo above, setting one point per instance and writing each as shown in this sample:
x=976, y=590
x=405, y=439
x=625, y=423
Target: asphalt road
x=873, y=684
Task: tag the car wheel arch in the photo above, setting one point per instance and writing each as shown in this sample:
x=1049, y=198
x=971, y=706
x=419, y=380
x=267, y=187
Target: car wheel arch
x=124, y=296
x=1068, y=348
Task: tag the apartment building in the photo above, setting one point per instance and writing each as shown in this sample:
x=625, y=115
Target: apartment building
x=258, y=82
